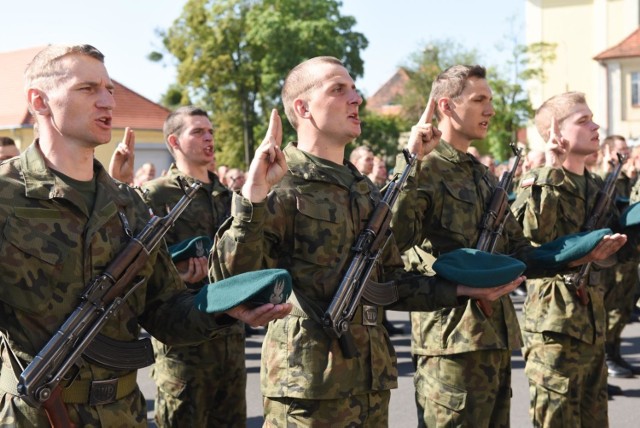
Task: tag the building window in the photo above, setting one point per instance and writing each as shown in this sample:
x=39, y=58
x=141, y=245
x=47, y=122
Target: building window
x=635, y=88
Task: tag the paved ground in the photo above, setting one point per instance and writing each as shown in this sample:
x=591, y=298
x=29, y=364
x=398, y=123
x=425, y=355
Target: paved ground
x=624, y=412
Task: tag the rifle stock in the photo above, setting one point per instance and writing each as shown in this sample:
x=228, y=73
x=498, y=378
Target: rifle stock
x=494, y=218
x=40, y=383
x=367, y=248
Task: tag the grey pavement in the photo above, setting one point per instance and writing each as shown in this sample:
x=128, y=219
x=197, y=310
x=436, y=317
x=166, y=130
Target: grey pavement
x=624, y=411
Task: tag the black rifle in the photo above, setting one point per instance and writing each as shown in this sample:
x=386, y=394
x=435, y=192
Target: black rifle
x=40, y=383
x=356, y=284
x=597, y=220
x=495, y=216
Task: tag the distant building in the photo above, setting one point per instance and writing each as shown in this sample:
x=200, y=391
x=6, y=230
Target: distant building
x=386, y=100
x=597, y=53
x=132, y=109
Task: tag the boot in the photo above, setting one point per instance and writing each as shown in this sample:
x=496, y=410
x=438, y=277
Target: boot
x=613, y=390
x=613, y=366
x=617, y=356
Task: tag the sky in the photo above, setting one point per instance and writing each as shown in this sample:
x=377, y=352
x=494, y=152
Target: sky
x=126, y=32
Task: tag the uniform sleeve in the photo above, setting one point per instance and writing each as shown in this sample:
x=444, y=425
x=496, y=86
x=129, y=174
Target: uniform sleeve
x=408, y=211
x=536, y=207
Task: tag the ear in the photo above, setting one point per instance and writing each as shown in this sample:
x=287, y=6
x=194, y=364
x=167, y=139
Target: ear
x=446, y=106
x=38, y=101
x=173, y=141
x=301, y=107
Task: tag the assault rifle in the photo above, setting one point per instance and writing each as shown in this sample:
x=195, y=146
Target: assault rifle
x=40, y=383
x=356, y=284
x=596, y=220
x=495, y=216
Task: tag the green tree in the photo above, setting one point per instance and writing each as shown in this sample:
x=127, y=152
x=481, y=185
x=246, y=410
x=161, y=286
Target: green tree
x=234, y=54
x=510, y=98
x=423, y=68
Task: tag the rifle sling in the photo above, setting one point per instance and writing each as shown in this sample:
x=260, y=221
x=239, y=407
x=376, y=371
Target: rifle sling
x=119, y=355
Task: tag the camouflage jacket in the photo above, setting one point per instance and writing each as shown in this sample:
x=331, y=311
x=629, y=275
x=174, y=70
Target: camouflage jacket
x=441, y=210
x=204, y=215
x=51, y=246
x=308, y=225
x=550, y=206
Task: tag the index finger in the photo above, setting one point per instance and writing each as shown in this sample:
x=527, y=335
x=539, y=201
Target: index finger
x=555, y=129
x=127, y=139
x=272, y=130
x=427, y=116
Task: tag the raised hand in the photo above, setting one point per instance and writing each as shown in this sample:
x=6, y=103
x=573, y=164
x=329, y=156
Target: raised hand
x=121, y=164
x=555, y=151
x=268, y=165
x=424, y=136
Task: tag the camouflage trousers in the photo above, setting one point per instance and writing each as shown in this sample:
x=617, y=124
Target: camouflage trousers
x=365, y=410
x=621, y=281
x=567, y=381
x=472, y=389
x=128, y=412
x=207, y=394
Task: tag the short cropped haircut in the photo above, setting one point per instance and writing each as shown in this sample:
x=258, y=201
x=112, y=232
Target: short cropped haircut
x=451, y=82
x=44, y=71
x=299, y=81
x=174, y=123
x=557, y=107
x=359, y=152
x=611, y=139
x=7, y=141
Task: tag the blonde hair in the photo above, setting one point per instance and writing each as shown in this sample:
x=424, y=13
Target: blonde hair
x=557, y=107
x=299, y=81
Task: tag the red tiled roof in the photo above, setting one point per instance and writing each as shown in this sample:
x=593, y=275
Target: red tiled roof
x=132, y=109
x=385, y=99
x=629, y=47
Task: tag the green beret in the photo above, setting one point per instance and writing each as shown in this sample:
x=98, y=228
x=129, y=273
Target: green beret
x=630, y=216
x=479, y=269
x=567, y=248
x=193, y=247
x=252, y=288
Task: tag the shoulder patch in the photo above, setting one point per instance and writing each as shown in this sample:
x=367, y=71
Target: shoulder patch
x=527, y=182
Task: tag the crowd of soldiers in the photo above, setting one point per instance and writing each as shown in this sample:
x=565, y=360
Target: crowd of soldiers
x=301, y=207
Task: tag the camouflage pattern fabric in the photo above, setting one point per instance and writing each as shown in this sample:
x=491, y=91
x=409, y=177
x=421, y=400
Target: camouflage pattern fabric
x=365, y=410
x=440, y=210
x=51, y=246
x=307, y=225
x=199, y=385
x=620, y=287
x=446, y=397
x=567, y=381
x=564, y=340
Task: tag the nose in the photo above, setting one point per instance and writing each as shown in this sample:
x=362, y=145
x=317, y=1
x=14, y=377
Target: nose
x=208, y=136
x=106, y=100
x=355, y=97
x=490, y=111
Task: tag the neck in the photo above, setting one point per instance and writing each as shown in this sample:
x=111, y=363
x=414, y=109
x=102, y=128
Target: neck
x=199, y=172
x=574, y=164
x=457, y=140
x=324, y=148
x=72, y=160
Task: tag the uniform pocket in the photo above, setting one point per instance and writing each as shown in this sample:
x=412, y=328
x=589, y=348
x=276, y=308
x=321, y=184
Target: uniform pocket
x=443, y=395
x=547, y=377
x=33, y=260
x=456, y=206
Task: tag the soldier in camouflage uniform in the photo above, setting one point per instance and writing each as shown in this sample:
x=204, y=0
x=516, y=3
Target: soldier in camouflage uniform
x=462, y=355
x=307, y=224
x=199, y=385
x=63, y=220
x=564, y=339
x=620, y=280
